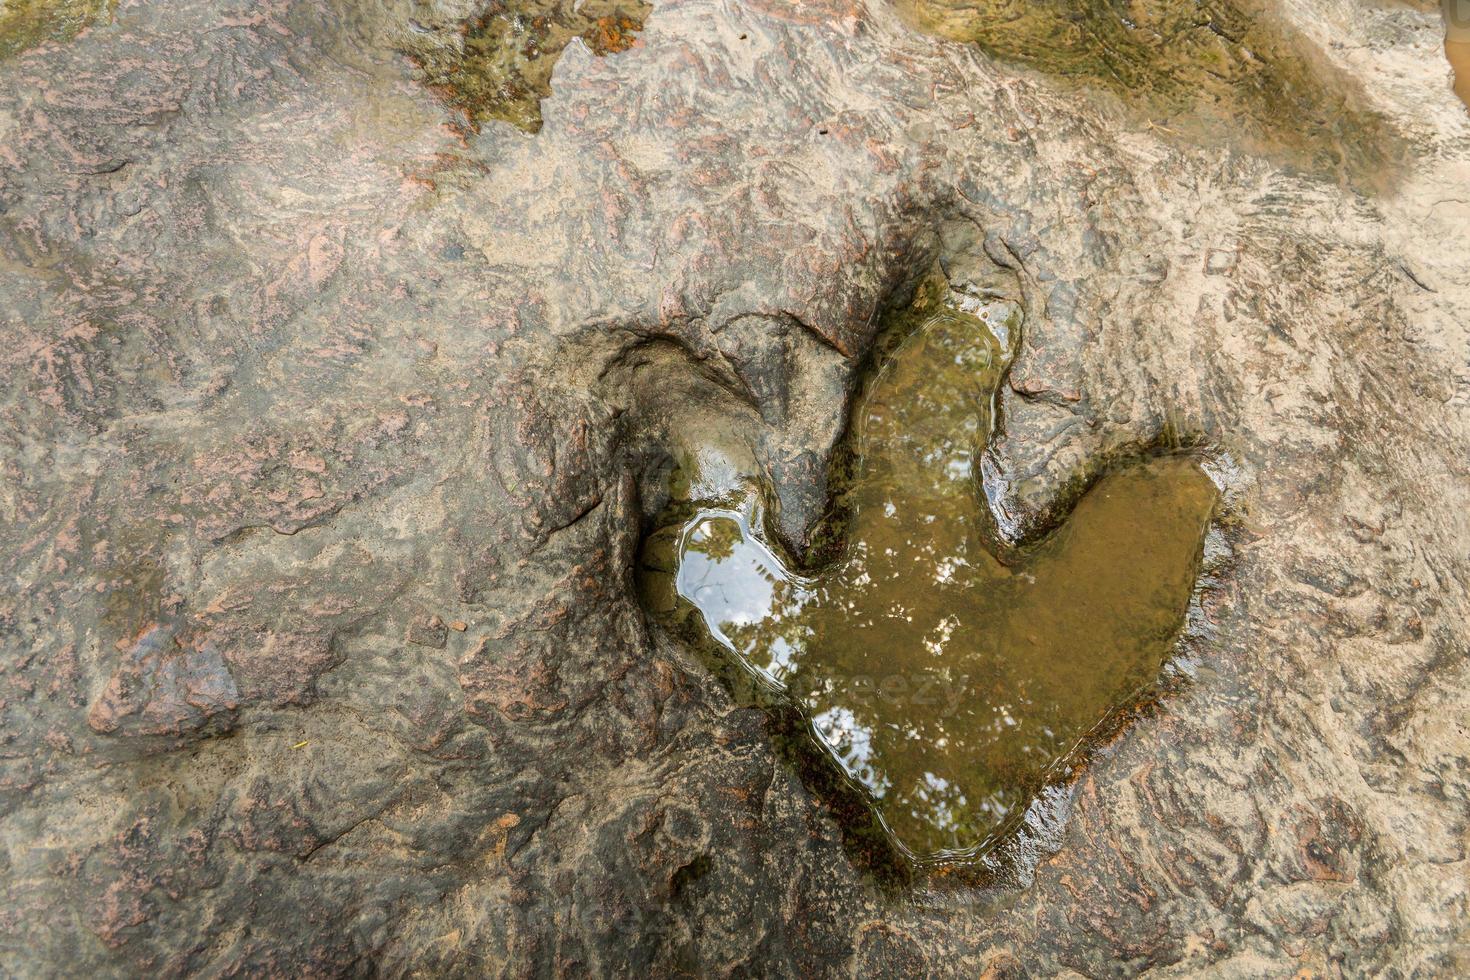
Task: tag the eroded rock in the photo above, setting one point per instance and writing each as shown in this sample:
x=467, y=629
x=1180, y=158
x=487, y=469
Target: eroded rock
x=295, y=360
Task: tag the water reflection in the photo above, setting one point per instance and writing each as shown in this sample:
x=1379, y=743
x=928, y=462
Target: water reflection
x=948, y=684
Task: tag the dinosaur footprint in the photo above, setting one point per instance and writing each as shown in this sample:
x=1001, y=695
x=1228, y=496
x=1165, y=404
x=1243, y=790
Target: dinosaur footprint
x=951, y=686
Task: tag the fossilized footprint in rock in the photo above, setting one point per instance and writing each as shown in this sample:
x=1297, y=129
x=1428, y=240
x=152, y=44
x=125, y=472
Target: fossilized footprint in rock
x=950, y=685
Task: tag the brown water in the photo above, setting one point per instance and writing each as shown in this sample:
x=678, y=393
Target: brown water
x=1459, y=55
x=1212, y=71
x=1457, y=44
x=949, y=686
x=500, y=64
x=26, y=23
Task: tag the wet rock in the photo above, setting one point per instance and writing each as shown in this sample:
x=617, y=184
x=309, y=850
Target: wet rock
x=498, y=63
x=31, y=22
x=295, y=358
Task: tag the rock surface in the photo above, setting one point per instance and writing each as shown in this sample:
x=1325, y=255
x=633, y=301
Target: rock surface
x=331, y=426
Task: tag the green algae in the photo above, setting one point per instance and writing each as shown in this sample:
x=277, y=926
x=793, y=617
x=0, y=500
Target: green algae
x=27, y=23
x=1208, y=70
x=948, y=688
x=499, y=64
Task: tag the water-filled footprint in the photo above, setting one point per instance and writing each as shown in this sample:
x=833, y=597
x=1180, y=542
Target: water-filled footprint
x=949, y=685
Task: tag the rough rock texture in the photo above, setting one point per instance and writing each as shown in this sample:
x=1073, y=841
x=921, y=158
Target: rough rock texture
x=330, y=430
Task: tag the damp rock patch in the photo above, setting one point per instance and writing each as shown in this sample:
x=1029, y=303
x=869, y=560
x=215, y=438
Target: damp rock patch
x=1213, y=72
x=27, y=23
x=498, y=64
